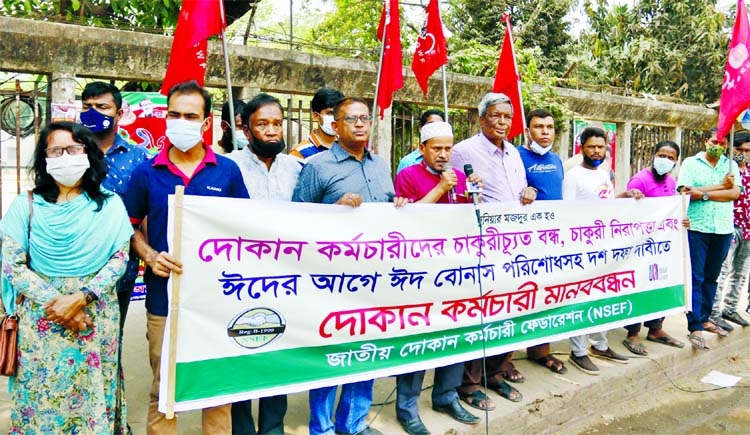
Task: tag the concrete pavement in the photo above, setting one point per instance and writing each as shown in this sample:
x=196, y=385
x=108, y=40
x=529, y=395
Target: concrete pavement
x=552, y=403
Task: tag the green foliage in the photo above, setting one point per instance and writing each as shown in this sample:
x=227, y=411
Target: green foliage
x=673, y=48
x=350, y=30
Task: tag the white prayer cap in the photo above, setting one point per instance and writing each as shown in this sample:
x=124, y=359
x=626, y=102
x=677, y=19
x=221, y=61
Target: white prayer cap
x=435, y=129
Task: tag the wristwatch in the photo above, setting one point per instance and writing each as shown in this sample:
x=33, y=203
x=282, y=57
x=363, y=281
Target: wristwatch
x=89, y=295
x=704, y=197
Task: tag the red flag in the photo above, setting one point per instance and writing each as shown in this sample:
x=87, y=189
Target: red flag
x=198, y=21
x=391, y=74
x=508, y=82
x=432, y=52
x=735, y=91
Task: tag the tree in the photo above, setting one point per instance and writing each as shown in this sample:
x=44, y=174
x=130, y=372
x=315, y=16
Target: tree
x=674, y=47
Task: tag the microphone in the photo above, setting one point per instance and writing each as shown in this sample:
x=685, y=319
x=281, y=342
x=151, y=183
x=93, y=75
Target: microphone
x=472, y=189
x=453, y=198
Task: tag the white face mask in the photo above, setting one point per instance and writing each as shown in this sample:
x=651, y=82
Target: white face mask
x=184, y=134
x=68, y=169
x=538, y=148
x=662, y=165
x=326, y=125
x=241, y=139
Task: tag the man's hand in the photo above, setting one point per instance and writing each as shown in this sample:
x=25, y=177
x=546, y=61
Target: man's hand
x=634, y=193
x=399, y=201
x=162, y=264
x=695, y=194
x=62, y=309
x=448, y=180
x=528, y=195
x=474, y=178
x=728, y=181
x=350, y=199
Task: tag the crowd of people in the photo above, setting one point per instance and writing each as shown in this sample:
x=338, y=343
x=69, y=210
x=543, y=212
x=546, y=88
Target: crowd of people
x=71, y=247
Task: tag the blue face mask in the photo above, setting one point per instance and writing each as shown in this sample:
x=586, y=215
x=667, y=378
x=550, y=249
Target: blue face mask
x=591, y=162
x=96, y=121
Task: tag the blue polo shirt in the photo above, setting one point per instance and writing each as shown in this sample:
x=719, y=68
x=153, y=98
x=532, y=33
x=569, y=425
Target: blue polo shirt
x=544, y=173
x=122, y=158
x=152, y=182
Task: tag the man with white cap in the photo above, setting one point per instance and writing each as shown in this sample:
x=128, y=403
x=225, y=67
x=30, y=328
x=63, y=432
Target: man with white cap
x=432, y=181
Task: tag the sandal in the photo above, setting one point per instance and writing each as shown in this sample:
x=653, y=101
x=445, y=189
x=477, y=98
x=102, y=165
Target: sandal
x=666, y=339
x=511, y=373
x=698, y=342
x=715, y=329
x=477, y=399
x=552, y=363
x=506, y=391
x=635, y=346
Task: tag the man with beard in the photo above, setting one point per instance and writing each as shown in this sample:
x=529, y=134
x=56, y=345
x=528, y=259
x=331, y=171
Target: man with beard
x=268, y=173
x=102, y=109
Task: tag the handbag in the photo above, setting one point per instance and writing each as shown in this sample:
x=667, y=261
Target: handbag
x=9, y=323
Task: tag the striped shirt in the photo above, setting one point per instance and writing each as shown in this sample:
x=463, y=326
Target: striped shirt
x=308, y=148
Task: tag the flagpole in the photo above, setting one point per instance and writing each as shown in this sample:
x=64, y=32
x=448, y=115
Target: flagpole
x=229, y=79
x=445, y=94
x=373, y=132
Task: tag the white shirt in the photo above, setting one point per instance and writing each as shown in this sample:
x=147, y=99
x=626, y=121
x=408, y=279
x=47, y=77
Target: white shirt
x=584, y=183
x=276, y=183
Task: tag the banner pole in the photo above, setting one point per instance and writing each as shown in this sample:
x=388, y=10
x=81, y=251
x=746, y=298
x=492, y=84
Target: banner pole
x=174, y=303
x=687, y=272
x=375, y=118
x=445, y=94
x=230, y=97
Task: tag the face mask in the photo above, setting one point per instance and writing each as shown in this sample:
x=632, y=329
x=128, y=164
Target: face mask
x=266, y=149
x=241, y=139
x=184, y=134
x=662, y=165
x=96, y=121
x=591, y=162
x=715, y=151
x=326, y=125
x=538, y=148
x=68, y=169
x=741, y=159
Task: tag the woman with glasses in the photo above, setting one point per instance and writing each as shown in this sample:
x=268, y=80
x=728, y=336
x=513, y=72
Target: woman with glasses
x=63, y=250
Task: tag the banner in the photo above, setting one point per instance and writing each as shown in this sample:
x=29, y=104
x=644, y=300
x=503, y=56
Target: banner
x=267, y=306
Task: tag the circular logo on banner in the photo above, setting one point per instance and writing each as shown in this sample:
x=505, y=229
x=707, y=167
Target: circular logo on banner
x=256, y=327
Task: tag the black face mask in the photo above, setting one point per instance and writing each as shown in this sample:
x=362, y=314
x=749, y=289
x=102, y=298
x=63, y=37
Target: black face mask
x=591, y=162
x=265, y=149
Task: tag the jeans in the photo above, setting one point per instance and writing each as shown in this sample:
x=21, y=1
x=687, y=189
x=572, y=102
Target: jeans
x=271, y=411
x=354, y=404
x=733, y=276
x=408, y=387
x=579, y=346
x=707, y=253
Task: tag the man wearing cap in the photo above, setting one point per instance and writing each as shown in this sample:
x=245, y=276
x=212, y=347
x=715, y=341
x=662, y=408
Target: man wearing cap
x=432, y=181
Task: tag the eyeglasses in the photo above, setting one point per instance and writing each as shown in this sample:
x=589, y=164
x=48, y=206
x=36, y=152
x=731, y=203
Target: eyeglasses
x=351, y=119
x=70, y=149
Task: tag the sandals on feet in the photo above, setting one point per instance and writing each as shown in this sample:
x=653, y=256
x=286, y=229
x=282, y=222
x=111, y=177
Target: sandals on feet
x=477, y=399
x=715, y=329
x=552, y=363
x=666, y=339
x=505, y=390
x=510, y=373
x=635, y=346
x=698, y=342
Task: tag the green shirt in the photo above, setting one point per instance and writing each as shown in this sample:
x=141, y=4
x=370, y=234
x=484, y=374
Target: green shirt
x=709, y=216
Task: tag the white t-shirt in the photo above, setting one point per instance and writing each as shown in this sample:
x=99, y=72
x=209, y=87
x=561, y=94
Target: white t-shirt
x=583, y=183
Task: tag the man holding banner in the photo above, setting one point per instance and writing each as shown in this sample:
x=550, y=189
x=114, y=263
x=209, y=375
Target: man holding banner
x=433, y=181
x=499, y=164
x=348, y=174
x=185, y=161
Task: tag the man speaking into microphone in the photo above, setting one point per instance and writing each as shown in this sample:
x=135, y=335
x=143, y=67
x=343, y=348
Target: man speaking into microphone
x=433, y=180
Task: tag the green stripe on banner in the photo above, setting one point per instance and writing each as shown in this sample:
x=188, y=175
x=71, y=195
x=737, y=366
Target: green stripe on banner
x=222, y=376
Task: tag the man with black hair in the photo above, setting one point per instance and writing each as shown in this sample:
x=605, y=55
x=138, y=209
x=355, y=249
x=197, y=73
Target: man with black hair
x=102, y=108
x=184, y=161
x=413, y=158
x=322, y=137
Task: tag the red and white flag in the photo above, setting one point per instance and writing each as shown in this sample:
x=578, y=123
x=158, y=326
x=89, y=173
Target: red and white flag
x=391, y=74
x=735, y=91
x=198, y=21
x=432, y=51
x=508, y=82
